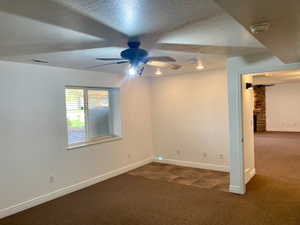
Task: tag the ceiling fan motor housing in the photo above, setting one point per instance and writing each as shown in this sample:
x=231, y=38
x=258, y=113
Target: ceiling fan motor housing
x=135, y=54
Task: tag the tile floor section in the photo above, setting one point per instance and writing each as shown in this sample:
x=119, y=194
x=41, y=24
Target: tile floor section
x=200, y=178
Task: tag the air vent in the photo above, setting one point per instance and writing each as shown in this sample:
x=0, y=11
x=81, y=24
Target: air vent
x=39, y=61
x=259, y=27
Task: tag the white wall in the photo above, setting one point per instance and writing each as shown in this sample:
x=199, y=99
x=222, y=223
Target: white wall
x=238, y=66
x=248, y=129
x=33, y=134
x=283, y=107
x=190, y=119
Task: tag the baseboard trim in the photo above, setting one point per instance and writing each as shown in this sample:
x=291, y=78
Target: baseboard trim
x=236, y=190
x=207, y=166
x=66, y=190
x=249, y=174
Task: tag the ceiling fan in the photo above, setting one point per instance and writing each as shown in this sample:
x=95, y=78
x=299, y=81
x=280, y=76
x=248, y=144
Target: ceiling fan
x=138, y=58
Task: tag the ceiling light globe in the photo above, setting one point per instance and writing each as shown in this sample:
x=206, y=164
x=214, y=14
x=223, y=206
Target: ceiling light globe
x=132, y=71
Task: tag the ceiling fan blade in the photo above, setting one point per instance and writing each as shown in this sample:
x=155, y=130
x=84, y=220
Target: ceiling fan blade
x=122, y=62
x=175, y=66
x=210, y=49
x=164, y=64
x=106, y=64
x=55, y=13
x=162, y=58
x=158, y=64
x=108, y=59
x=141, y=71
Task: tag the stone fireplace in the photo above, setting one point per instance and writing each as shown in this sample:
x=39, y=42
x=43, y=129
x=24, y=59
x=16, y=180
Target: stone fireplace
x=259, y=113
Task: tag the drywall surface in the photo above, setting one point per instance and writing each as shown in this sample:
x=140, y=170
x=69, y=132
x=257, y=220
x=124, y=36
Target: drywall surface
x=190, y=119
x=283, y=107
x=34, y=160
x=248, y=129
x=237, y=66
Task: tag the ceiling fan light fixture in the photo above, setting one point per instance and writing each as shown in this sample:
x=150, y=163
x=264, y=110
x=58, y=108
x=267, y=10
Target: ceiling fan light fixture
x=132, y=71
x=138, y=58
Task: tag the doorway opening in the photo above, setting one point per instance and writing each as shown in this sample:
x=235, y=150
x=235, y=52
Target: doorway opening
x=271, y=130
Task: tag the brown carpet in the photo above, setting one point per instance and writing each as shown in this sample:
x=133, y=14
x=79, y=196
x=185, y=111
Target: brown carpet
x=273, y=197
x=200, y=178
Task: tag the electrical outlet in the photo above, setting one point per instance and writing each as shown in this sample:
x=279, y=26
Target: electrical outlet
x=129, y=156
x=204, y=155
x=221, y=156
x=51, y=179
x=160, y=158
x=178, y=152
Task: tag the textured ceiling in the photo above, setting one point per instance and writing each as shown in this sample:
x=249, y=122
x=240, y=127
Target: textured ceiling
x=23, y=36
x=219, y=30
x=283, y=37
x=72, y=33
x=140, y=17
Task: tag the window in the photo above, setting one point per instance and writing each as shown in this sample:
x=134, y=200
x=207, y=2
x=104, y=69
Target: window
x=92, y=114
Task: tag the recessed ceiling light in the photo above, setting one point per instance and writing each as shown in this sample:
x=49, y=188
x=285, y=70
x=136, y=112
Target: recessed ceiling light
x=39, y=61
x=199, y=65
x=158, y=72
x=268, y=74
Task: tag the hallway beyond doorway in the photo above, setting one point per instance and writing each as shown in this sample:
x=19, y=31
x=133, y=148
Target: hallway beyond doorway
x=277, y=159
x=277, y=155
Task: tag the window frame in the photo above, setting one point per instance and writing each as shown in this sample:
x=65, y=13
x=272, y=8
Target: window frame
x=96, y=140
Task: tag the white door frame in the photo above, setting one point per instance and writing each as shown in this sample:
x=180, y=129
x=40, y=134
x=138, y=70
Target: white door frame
x=235, y=72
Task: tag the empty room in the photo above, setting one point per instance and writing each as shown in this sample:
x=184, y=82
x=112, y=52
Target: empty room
x=162, y=112
x=271, y=124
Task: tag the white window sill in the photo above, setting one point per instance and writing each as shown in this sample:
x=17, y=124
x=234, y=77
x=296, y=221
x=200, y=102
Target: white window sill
x=93, y=142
